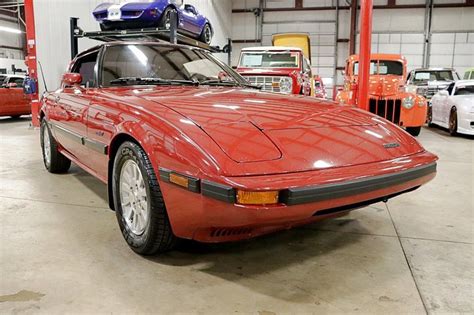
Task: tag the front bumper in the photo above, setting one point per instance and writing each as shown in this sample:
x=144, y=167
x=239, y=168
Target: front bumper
x=304, y=198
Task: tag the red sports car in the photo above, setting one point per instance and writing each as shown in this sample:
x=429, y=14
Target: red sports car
x=189, y=150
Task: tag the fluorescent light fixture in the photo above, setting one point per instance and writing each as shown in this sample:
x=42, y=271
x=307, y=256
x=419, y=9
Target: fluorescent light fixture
x=10, y=30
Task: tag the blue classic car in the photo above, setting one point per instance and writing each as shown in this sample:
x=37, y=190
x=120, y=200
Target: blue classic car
x=143, y=14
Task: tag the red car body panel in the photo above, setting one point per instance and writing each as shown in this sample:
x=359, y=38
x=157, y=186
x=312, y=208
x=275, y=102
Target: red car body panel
x=240, y=138
x=13, y=102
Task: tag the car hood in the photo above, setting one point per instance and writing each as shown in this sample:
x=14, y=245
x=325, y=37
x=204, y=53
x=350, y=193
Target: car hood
x=267, y=133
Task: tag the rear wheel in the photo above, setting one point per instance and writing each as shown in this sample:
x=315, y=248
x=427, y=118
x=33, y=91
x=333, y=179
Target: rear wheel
x=414, y=131
x=206, y=34
x=453, y=122
x=15, y=116
x=104, y=27
x=139, y=204
x=165, y=20
x=54, y=161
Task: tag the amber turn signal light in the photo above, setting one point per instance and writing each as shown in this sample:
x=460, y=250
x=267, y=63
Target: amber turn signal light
x=179, y=180
x=257, y=197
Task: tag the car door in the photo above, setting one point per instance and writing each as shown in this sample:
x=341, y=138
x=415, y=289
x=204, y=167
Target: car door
x=191, y=19
x=20, y=101
x=73, y=103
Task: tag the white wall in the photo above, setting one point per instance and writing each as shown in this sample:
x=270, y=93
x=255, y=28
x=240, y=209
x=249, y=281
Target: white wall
x=398, y=31
x=52, y=29
x=11, y=39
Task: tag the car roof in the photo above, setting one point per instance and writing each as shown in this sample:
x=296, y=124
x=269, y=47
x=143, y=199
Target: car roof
x=271, y=48
x=433, y=69
x=465, y=82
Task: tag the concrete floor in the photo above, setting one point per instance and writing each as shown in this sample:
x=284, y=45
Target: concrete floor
x=61, y=250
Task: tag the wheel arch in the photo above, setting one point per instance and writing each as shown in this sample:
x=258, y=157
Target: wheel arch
x=113, y=149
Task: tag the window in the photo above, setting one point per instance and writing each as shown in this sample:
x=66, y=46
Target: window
x=269, y=60
x=466, y=76
x=450, y=88
x=464, y=90
x=86, y=67
x=17, y=81
x=382, y=67
x=162, y=62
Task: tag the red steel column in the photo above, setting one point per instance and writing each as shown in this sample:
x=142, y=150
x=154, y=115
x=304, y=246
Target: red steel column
x=366, y=7
x=31, y=57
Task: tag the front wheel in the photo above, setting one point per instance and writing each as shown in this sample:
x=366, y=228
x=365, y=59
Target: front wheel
x=429, y=118
x=206, y=34
x=414, y=131
x=453, y=122
x=139, y=204
x=54, y=161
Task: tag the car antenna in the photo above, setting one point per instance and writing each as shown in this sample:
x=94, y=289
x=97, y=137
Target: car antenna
x=42, y=75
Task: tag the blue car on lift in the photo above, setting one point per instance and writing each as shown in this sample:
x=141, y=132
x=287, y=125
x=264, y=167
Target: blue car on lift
x=145, y=14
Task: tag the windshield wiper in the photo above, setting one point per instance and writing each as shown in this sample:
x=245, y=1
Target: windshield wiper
x=151, y=81
x=228, y=83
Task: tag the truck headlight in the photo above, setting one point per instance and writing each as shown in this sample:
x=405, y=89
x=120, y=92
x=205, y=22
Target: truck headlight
x=286, y=85
x=408, y=102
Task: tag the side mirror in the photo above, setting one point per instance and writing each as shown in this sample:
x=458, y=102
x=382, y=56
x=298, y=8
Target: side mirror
x=71, y=79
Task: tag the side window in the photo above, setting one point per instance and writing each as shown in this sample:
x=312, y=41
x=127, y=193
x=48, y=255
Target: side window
x=306, y=66
x=472, y=75
x=86, y=67
x=466, y=76
x=17, y=81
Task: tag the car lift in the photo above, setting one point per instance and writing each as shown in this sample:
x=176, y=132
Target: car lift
x=151, y=34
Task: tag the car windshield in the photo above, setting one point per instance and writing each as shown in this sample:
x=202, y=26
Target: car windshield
x=464, y=90
x=425, y=76
x=269, y=60
x=142, y=64
x=382, y=67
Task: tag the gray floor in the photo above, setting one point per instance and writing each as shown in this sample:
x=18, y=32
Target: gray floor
x=61, y=250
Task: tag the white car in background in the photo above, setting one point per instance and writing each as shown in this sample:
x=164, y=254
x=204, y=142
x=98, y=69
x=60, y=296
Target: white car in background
x=453, y=108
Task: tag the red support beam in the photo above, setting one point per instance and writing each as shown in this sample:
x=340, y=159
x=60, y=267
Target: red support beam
x=364, y=53
x=31, y=57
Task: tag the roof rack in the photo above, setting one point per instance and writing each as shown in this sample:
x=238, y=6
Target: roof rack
x=151, y=34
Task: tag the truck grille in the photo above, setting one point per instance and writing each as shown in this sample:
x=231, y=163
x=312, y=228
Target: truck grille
x=431, y=91
x=268, y=83
x=386, y=108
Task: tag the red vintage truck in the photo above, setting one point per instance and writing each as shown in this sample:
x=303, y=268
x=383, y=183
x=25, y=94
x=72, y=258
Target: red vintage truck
x=387, y=95
x=277, y=69
x=13, y=102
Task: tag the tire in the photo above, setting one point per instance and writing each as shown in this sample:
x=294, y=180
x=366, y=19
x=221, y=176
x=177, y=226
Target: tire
x=15, y=116
x=54, y=161
x=414, y=131
x=429, y=117
x=453, y=122
x=165, y=18
x=206, y=34
x=140, y=208
x=104, y=27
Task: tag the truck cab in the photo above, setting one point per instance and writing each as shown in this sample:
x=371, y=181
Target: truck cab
x=277, y=69
x=13, y=101
x=388, y=97
x=429, y=81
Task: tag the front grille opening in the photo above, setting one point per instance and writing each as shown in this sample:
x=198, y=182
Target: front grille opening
x=387, y=108
x=220, y=232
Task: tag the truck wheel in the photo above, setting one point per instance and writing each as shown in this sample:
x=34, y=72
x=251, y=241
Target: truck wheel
x=206, y=34
x=453, y=122
x=429, y=118
x=414, y=131
x=139, y=204
x=54, y=161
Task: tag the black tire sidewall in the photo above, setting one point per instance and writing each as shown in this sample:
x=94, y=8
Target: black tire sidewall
x=203, y=34
x=44, y=128
x=453, y=130
x=126, y=152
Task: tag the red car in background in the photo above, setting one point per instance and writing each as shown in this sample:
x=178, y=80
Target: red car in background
x=13, y=102
x=189, y=150
x=276, y=69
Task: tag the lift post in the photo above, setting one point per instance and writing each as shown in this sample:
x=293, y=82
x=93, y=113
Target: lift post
x=31, y=58
x=364, y=53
